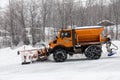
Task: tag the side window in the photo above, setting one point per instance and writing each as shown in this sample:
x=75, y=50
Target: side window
x=65, y=34
x=62, y=35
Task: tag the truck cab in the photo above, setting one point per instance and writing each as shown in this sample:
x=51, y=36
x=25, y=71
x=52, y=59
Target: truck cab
x=64, y=38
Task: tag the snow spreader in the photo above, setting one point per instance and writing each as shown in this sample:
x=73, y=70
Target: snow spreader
x=86, y=40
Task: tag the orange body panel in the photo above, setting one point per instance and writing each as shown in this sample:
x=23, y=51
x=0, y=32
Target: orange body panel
x=82, y=36
x=89, y=35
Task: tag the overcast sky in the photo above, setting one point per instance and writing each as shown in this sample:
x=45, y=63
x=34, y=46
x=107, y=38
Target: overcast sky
x=3, y=3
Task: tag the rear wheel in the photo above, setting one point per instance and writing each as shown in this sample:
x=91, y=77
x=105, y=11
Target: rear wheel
x=93, y=52
x=60, y=55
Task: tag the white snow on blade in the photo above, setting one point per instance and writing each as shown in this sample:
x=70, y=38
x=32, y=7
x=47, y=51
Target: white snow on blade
x=75, y=68
x=86, y=27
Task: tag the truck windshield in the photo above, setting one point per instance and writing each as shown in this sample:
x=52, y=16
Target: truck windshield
x=65, y=34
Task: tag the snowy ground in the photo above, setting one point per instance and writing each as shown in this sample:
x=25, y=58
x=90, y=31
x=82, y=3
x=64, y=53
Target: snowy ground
x=106, y=68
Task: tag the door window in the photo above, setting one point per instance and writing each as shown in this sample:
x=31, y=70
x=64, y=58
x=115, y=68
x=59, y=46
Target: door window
x=65, y=34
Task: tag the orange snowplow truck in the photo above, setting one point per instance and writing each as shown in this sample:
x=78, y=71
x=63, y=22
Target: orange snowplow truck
x=80, y=40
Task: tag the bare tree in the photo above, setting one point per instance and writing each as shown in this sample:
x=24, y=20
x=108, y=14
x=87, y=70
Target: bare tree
x=33, y=8
x=44, y=7
x=11, y=13
x=116, y=10
x=38, y=14
x=20, y=16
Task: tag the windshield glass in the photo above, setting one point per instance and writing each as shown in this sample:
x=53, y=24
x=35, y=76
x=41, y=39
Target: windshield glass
x=65, y=34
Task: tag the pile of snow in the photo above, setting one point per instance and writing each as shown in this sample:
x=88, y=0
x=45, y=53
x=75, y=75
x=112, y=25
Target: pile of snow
x=8, y=57
x=105, y=68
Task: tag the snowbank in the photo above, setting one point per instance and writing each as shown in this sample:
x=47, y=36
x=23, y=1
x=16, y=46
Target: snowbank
x=8, y=57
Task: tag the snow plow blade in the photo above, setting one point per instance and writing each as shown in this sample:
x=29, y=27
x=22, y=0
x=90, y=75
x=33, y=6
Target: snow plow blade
x=23, y=63
x=33, y=55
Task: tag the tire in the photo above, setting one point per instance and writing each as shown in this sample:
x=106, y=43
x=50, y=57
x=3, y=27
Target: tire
x=93, y=52
x=60, y=55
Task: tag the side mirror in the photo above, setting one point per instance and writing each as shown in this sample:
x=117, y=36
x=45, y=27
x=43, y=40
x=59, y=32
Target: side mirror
x=56, y=37
x=55, y=41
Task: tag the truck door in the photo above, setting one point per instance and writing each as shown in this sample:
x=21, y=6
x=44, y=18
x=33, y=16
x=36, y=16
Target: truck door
x=66, y=38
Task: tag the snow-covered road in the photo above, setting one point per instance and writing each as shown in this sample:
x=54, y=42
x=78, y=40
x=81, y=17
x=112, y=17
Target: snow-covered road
x=76, y=68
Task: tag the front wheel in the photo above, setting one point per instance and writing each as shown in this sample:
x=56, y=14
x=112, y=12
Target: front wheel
x=60, y=55
x=93, y=52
